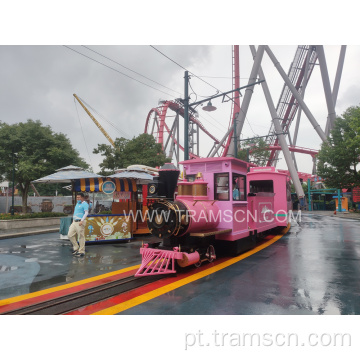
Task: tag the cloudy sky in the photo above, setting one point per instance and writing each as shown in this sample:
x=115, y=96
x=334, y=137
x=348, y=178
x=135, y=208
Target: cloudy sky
x=38, y=82
x=122, y=83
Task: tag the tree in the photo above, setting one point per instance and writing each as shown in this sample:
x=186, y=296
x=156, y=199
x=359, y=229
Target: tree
x=338, y=157
x=142, y=149
x=254, y=151
x=36, y=150
x=114, y=158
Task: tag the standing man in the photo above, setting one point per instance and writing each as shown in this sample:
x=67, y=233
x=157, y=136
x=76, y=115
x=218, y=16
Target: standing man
x=78, y=226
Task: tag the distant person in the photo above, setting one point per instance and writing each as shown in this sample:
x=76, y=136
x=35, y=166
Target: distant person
x=236, y=193
x=76, y=232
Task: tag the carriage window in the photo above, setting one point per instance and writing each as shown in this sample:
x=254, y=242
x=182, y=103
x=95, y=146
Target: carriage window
x=221, y=186
x=257, y=186
x=239, y=187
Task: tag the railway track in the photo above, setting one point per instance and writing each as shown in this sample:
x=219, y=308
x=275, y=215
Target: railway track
x=82, y=298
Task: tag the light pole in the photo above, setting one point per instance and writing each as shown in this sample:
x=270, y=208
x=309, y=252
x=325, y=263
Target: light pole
x=209, y=107
x=186, y=116
x=13, y=183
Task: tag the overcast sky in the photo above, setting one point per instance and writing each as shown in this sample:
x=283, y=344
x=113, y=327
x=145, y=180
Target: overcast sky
x=38, y=81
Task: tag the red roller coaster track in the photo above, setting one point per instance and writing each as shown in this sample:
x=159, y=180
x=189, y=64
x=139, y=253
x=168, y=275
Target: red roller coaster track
x=159, y=126
x=156, y=119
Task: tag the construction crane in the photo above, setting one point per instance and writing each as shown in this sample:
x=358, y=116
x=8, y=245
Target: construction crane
x=95, y=121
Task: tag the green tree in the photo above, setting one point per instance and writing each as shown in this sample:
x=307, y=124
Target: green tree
x=338, y=157
x=113, y=158
x=142, y=149
x=254, y=151
x=37, y=152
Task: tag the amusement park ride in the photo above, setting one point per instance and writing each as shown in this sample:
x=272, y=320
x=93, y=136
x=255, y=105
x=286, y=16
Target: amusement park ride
x=286, y=112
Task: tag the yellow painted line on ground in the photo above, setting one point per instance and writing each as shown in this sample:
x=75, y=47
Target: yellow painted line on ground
x=167, y=288
x=62, y=287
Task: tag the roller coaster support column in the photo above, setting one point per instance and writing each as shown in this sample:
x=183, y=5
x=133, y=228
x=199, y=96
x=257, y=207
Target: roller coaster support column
x=336, y=83
x=296, y=94
x=304, y=84
x=235, y=139
x=279, y=132
x=247, y=97
x=338, y=73
x=186, y=116
x=217, y=147
x=327, y=88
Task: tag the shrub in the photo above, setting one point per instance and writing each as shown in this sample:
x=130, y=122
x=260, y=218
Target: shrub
x=105, y=212
x=30, y=216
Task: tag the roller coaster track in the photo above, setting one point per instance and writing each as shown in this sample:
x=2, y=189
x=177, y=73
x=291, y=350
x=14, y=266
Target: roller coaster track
x=305, y=56
x=297, y=149
x=159, y=126
x=287, y=105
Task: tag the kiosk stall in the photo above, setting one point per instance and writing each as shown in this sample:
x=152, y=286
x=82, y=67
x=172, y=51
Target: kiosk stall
x=123, y=193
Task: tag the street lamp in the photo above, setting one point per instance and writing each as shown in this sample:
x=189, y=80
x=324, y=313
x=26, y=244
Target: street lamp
x=208, y=107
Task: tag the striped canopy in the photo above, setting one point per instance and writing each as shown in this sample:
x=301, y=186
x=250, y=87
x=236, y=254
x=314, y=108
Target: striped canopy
x=95, y=184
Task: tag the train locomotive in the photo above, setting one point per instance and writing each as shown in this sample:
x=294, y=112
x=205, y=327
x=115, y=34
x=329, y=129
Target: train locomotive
x=219, y=208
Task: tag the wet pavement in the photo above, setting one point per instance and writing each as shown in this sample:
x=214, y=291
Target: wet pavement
x=37, y=262
x=12, y=233
x=313, y=269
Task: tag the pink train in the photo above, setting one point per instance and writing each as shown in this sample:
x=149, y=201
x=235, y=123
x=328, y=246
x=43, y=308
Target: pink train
x=219, y=208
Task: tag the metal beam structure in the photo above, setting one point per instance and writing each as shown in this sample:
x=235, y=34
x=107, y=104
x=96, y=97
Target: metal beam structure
x=327, y=88
x=279, y=133
x=291, y=106
x=336, y=83
x=235, y=109
x=338, y=73
x=247, y=97
x=299, y=73
x=296, y=94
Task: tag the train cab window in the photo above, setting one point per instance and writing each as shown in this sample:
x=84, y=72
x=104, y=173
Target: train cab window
x=221, y=182
x=190, y=178
x=239, y=187
x=257, y=186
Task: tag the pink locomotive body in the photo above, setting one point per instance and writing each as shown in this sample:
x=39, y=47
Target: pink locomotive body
x=218, y=206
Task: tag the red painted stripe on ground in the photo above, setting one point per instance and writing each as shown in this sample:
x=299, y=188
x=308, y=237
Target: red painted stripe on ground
x=118, y=299
x=57, y=294
x=141, y=290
